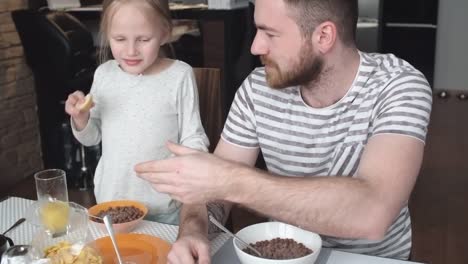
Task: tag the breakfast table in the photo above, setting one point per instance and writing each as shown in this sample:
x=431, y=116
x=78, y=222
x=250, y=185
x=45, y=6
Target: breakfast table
x=222, y=249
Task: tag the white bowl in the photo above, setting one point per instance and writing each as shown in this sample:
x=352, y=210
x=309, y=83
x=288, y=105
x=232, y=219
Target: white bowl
x=271, y=230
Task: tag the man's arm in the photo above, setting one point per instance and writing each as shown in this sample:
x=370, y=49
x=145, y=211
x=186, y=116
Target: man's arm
x=192, y=238
x=360, y=207
x=195, y=217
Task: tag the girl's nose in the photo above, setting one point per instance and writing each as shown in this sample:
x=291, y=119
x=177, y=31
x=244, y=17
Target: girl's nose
x=132, y=49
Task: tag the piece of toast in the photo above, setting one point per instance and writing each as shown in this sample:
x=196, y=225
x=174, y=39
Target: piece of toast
x=87, y=104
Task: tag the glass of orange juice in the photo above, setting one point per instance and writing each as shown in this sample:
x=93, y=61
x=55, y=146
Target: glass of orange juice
x=52, y=196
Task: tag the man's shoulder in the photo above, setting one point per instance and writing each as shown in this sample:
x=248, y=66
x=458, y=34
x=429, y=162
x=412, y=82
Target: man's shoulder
x=255, y=80
x=389, y=68
x=258, y=74
x=392, y=75
x=387, y=63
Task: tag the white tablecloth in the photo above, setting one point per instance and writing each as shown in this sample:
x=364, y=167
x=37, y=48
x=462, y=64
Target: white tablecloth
x=14, y=208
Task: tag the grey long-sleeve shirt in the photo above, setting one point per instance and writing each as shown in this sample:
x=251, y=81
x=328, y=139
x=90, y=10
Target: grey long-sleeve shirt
x=135, y=116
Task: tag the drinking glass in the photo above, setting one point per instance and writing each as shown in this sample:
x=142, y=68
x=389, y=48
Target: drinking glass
x=51, y=185
x=52, y=197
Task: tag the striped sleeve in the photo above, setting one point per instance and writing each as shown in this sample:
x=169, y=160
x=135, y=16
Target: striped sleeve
x=240, y=128
x=404, y=107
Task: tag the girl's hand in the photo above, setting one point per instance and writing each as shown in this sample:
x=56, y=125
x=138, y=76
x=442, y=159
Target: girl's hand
x=79, y=114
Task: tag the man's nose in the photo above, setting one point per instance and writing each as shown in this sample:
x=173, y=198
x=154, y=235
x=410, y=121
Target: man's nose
x=259, y=46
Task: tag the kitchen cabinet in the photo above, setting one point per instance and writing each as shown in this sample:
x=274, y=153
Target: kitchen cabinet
x=409, y=31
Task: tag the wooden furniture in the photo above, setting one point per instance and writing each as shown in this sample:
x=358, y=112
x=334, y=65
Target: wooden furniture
x=438, y=205
x=226, y=36
x=209, y=93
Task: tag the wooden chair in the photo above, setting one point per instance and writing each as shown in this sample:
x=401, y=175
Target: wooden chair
x=211, y=110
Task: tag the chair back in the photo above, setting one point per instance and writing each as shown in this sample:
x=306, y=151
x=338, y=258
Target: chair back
x=60, y=51
x=211, y=110
x=58, y=48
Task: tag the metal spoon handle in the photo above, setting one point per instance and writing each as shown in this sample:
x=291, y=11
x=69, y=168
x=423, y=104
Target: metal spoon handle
x=19, y=222
x=220, y=226
x=110, y=229
x=96, y=217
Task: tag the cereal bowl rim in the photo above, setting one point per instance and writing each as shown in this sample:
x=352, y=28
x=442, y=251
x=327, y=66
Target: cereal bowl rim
x=241, y=251
x=95, y=209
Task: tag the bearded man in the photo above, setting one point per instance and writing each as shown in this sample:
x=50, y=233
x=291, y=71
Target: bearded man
x=342, y=133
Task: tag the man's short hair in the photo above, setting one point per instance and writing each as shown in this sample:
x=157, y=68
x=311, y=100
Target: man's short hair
x=311, y=13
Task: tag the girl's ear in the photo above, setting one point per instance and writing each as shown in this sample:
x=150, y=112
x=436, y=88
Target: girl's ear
x=166, y=37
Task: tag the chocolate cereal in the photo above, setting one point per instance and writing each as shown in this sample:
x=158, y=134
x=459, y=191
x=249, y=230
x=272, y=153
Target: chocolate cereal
x=279, y=248
x=121, y=214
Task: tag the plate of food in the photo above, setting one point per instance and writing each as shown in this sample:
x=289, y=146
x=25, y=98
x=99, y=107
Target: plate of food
x=66, y=253
x=134, y=248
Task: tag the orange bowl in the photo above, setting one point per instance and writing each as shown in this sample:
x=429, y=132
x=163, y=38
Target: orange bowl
x=134, y=248
x=121, y=227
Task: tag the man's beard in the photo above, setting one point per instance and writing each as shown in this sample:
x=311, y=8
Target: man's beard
x=306, y=70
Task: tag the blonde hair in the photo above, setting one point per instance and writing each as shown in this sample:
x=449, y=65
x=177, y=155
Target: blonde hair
x=161, y=11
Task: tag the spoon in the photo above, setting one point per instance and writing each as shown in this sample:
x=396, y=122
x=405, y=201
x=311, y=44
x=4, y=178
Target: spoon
x=108, y=222
x=220, y=226
x=96, y=217
x=19, y=222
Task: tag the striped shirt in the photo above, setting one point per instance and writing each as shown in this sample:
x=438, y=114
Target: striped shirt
x=388, y=96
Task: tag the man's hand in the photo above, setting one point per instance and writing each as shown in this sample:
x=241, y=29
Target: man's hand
x=190, y=249
x=190, y=177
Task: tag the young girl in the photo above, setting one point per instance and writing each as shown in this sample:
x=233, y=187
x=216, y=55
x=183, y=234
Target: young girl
x=140, y=102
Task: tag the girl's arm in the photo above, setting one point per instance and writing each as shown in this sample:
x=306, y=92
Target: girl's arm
x=90, y=134
x=191, y=132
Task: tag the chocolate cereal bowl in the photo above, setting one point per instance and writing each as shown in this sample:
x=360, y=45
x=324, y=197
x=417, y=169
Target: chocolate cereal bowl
x=279, y=243
x=125, y=214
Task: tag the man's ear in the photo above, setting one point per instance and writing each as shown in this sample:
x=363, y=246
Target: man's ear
x=325, y=36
